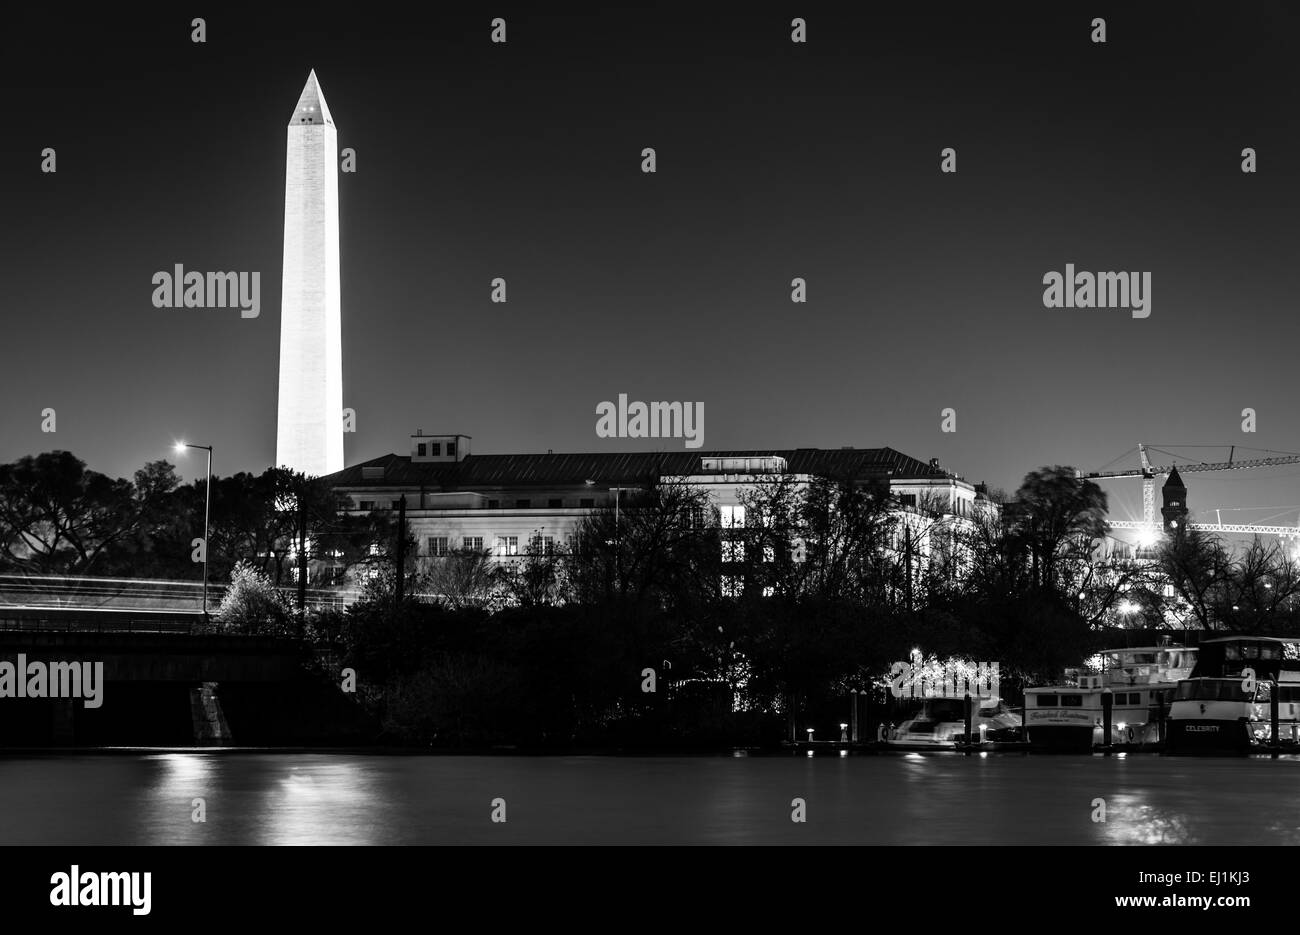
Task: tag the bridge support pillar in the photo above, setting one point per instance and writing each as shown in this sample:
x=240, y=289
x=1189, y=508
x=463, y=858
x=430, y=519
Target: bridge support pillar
x=63, y=730
x=210, y=727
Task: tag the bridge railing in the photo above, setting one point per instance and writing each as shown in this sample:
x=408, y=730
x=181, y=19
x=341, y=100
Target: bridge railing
x=96, y=623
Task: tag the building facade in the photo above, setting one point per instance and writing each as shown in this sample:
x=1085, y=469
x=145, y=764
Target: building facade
x=499, y=503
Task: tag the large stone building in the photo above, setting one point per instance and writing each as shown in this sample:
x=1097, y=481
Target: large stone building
x=499, y=502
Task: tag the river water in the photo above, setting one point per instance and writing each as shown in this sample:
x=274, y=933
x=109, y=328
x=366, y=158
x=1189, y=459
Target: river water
x=252, y=798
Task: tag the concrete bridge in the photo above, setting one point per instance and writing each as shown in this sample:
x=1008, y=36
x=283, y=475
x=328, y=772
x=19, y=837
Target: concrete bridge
x=164, y=684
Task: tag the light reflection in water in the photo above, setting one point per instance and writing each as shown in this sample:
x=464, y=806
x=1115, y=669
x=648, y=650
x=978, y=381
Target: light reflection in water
x=315, y=802
x=1130, y=820
x=912, y=798
x=177, y=780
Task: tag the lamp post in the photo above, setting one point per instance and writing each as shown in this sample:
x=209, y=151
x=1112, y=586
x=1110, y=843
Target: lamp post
x=853, y=714
x=207, y=515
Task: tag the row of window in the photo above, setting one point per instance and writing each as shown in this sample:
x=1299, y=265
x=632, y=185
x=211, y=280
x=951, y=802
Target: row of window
x=554, y=503
x=1127, y=698
x=734, y=551
x=734, y=586
x=1076, y=701
x=439, y=546
x=730, y=516
x=435, y=449
x=1235, y=651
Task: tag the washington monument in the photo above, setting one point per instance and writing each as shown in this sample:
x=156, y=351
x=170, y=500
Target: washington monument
x=309, y=433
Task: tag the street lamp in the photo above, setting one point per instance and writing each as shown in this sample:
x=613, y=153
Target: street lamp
x=179, y=448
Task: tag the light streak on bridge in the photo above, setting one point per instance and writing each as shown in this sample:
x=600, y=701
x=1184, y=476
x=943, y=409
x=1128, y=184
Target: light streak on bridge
x=140, y=595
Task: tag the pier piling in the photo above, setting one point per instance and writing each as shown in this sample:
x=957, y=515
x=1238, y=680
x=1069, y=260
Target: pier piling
x=1107, y=703
x=1274, y=740
x=970, y=717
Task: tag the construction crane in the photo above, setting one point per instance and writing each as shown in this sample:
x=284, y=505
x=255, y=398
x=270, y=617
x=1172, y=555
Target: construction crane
x=1147, y=525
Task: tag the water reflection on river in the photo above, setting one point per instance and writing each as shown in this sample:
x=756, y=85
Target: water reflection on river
x=909, y=799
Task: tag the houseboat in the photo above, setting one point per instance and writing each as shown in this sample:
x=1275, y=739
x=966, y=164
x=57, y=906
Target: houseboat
x=1224, y=705
x=1068, y=717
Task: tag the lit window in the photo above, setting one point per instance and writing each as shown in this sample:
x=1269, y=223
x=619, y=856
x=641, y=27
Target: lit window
x=769, y=553
x=509, y=545
x=733, y=551
x=543, y=545
x=732, y=585
x=733, y=517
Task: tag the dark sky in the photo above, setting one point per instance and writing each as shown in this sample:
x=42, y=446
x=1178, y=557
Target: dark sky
x=775, y=160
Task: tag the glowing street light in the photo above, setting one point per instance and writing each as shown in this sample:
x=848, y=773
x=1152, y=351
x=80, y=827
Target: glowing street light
x=179, y=448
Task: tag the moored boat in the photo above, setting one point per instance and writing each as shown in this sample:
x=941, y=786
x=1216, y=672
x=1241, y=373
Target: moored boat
x=1224, y=705
x=940, y=724
x=1069, y=717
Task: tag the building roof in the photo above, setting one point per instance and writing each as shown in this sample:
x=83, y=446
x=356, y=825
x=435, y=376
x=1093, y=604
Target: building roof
x=614, y=468
x=1175, y=480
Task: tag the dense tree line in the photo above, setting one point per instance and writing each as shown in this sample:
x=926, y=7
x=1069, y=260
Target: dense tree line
x=58, y=517
x=746, y=621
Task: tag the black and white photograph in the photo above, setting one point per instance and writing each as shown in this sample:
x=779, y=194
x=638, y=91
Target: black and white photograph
x=678, y=425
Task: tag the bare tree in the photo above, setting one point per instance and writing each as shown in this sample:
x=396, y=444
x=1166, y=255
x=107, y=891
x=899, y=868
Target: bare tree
x=823, y=537
x=464, y=578
x=1198, y=568
x=537, y=579
x=658, y=546
x=1263, y=589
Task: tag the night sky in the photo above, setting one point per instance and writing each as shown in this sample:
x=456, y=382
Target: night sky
x=775, y=160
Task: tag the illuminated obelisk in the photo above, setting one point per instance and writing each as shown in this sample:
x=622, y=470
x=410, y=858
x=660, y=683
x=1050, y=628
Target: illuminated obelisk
x=309, y=432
